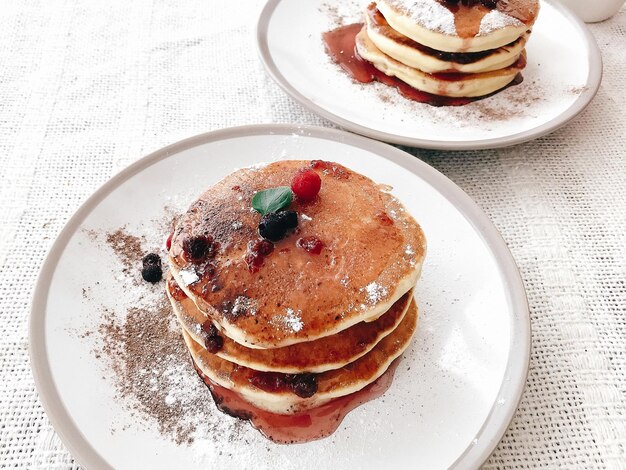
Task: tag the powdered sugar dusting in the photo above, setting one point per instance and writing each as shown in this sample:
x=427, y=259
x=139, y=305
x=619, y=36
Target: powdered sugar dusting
x=188, y=275
x=428, y=13
x=242, y=305
x=257, y=166
x=290, y=321
x=375, y=293
x=495, y=20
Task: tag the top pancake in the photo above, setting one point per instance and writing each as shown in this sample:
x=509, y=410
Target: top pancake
x=460, y=28
x=372, y=255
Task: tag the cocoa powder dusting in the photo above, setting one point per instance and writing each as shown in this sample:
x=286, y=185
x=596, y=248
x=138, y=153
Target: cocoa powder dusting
x=155, y=378
x=145, y=352
x=146, y=358
x=333, y=14
x=127, y=247
x=341, y=13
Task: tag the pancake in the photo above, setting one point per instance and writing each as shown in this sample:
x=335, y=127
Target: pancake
x=451, y=85
x=429, y=60
x=330, y=384
x=460, y=28
x=330, y=352
x=372, y=255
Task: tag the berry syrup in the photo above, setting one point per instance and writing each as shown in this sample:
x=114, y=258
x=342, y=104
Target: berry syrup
x=341, y=46
x=307, y=426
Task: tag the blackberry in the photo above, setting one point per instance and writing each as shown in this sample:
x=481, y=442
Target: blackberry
x=269, y=381
x=152, y=273
x=199, y=248
x=304, y=385
x=213, y=341
x=151, y=259
x=274, y=226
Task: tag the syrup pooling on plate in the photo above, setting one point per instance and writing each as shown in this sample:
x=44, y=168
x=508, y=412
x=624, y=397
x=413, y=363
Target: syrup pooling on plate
x=340, y=44
x=443, y=53
x=311, y=425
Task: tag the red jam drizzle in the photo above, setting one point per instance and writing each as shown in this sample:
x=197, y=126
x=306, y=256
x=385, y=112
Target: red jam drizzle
x=175, y=291
x=258, y=250
x=308, y=426
x=341, y=46
x=310, y=244
x=331, y=168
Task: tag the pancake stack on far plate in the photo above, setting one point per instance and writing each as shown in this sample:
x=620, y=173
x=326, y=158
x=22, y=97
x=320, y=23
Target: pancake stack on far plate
x=307, y=303
x=454, y=48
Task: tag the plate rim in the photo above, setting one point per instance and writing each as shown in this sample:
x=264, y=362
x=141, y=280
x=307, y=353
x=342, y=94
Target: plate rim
x=496, y=421
x=594, y=79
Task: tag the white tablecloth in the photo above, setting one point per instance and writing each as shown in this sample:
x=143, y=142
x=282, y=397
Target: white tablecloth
x=88, y=87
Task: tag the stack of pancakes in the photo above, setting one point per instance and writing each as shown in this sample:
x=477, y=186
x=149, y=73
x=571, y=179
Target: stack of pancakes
x=454, y=48
x=300, y=329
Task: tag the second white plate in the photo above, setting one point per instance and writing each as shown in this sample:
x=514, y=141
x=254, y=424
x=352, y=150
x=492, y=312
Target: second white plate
x=563, y=75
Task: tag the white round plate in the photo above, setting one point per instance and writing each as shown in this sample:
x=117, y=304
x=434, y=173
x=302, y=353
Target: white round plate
x=453, y=395
x=563, y=75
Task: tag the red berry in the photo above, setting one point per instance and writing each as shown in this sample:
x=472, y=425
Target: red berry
x=311, y=244
x=306, y=184
x=168, y=243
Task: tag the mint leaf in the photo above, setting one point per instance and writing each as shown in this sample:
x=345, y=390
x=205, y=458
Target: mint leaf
x=272, y=200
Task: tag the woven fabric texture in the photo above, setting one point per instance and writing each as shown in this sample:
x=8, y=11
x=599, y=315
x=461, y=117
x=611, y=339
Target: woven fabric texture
x=86, y=88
